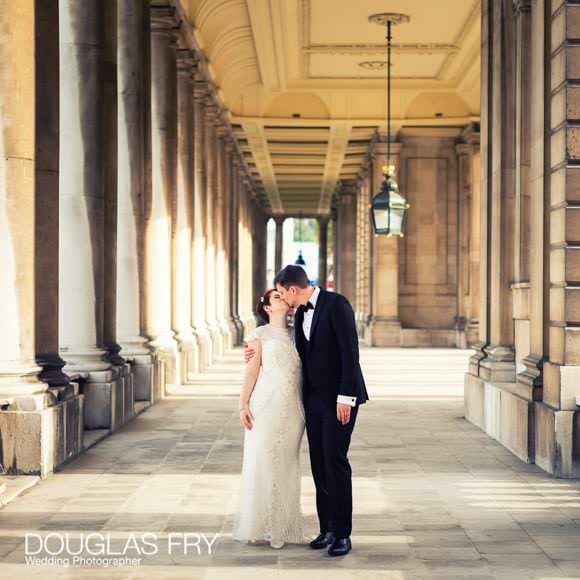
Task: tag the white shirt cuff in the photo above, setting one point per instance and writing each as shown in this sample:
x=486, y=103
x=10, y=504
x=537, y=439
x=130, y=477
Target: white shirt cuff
x=346, y=400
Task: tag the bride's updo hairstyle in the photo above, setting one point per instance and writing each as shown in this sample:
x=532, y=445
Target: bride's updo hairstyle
x=265, y=301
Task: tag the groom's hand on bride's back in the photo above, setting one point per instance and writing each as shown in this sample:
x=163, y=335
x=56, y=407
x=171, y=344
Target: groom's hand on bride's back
x=248, y=353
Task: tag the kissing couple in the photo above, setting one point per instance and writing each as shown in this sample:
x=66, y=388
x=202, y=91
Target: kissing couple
x=313, y=381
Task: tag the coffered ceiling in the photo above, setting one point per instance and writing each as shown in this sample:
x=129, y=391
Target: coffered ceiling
x=304, y=109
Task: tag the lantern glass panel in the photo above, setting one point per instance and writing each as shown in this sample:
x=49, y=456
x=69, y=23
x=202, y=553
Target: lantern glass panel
x=381, y=219
x=397, y=216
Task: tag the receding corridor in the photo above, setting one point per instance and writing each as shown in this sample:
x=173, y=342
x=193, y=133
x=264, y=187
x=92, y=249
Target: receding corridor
x=434, y=496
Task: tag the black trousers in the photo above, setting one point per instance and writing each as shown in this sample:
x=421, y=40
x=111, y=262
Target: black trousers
x=328, y=441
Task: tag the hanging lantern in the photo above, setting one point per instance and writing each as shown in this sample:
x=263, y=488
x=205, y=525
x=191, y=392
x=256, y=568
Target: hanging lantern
x=389, y=207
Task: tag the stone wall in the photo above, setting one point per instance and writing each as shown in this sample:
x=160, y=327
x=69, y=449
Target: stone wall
x=524, y=380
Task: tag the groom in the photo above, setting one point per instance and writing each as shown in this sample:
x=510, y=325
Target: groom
x=333, y=388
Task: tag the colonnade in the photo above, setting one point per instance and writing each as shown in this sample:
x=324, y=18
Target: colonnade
x=523, y=384
x=131, y=237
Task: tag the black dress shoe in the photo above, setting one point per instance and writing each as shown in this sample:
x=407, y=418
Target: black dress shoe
x=340, y=547
x=322, y=540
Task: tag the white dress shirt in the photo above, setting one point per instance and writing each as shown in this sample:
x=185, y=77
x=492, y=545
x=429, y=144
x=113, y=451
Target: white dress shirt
x=307, y=325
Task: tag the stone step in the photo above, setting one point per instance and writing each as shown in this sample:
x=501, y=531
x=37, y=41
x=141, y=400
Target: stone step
x=12, y=486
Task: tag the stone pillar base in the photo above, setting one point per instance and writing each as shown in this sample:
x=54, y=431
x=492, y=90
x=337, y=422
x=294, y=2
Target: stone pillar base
x=109, y=398
x=384, y=332
x=203, y=350
x=500, y=411
x=226, y=336
x=36, y=442
x=217, y=339
x=466, y=333
x=499, y=366
x=557, y=442
x=142, y=371
x=188, y=359
x=239, y=329
x=167, y=368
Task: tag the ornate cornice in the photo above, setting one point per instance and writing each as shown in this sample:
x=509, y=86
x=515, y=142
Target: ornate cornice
x=374, y=48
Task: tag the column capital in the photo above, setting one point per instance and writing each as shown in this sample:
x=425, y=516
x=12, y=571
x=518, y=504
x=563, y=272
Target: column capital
x=186, y=61
x=522, y=6
x=164, y=19
x=380, y=148
x=279, y=220
x=222, y=130
x=463, y=149
x=346, y=198
x=201, y=89
x=211, y=113
x=231, y=146
x=323, y=220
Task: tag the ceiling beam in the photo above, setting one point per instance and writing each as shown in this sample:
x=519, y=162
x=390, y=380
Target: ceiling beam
x=259, y=147
x=337, y=145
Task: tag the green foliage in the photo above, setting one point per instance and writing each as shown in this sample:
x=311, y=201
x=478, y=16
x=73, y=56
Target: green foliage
x=308, y=232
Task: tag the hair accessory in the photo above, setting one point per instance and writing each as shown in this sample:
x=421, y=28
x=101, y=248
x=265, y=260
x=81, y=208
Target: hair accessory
x=262, y=299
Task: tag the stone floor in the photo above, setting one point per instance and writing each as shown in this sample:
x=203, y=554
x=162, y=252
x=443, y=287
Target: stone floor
x=434, y=497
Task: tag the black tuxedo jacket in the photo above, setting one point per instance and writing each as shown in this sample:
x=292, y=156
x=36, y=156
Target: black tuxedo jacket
x=330, y=359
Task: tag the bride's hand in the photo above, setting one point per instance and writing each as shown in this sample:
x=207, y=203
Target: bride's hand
x=248, y=353
x=246, y=418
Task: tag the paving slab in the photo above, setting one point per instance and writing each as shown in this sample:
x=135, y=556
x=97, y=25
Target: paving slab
x=434, y=497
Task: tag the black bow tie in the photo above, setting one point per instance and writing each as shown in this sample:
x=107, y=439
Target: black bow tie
x=308, y=306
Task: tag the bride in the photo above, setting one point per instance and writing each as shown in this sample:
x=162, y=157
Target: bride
x=272, y=414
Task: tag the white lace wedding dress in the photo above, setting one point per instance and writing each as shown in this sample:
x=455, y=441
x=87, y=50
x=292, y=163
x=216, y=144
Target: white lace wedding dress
x=269, y=505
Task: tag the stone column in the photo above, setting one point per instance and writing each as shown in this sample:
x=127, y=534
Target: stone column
x=523, y=58
x=133, y=62
x=474, y=390
x=346, y=283
x=81, y=212
x=531, y=377
x=211, y=251
x=183, y=222
x=20, y=388
x=125, y=395
x=384, y=326
x=557, y=445
x=279, y=247
x=363, y=270
x=221, y=277
x=229, y=186
x=46, y=214
x=468, y=251
x=499, y=365
x=259, y=236
x=235, y=250
x=322, y=250
x=246, y=257
x=521, y=273
x=158, y=241
x=200, y=227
